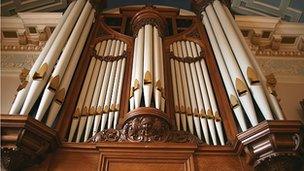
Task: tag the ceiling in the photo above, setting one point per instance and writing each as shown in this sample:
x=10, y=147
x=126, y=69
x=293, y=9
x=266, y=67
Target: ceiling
x=288, y=10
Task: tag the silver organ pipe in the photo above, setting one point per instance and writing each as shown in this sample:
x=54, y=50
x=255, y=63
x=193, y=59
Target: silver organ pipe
x=100, y=48
x=58, y=72
x=147, y=79
x=175, y=93
x=233, y=97
x=67, y=77
x=200, y=91
x=138, y=72
x=180, y=89
x=112, y=65
x=274, y=104
x=233, y=69
x=198, y=111
x=81, y=100
x=244, y=62
x=41, y=76
x=190, y=90
x=148, y=65
x=102, y=91
x=22, y=93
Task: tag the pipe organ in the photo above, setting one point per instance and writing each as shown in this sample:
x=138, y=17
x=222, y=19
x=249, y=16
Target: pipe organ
x=148, y=88
x=193, y=96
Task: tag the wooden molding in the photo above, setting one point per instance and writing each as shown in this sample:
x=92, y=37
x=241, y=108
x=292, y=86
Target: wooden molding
x=25, y=141
x=273, y=145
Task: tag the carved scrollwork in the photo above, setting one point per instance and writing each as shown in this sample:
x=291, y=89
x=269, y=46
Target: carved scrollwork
x=12, y=158
x=148, y=129
x=187, y=59
x=148, y=15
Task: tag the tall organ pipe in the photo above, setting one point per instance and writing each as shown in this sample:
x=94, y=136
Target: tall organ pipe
x=180, y=89
x=138, y=82
x=41, y=76
x=175, y=94
x=157, y=69
x=67, y=77
x=94, y=101
x=21, y=95
x=244, y=62
x=111, y=66
x=148, y=65
x=122, y=70
x=57, y=74
x=115, y=86
x=206, y=100
x=197, y=94
x=132, y=102
x=81, y=99
x=212, y=99
x=103, y=90
x=190, y=90
x=274, y=104
x=234, y=100
x=233, y=69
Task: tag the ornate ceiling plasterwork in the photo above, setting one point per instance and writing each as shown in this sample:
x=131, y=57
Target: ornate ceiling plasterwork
x=288, y=10
x=12, y=7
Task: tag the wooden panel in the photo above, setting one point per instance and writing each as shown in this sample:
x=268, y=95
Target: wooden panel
x=117, y=166
x=216, y=163
x=66, y=160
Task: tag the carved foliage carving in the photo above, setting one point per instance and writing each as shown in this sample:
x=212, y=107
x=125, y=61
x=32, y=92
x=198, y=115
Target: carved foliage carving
x=144, y=129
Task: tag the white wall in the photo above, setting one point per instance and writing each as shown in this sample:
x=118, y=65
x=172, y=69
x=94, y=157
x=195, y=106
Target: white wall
x=9, y=84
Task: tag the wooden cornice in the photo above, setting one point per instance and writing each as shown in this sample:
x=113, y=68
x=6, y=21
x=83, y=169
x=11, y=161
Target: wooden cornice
x=25, y=141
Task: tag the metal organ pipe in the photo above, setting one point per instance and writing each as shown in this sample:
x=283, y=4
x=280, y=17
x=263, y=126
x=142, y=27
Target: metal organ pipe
x=41, y=76
x=68, y=74
x=102, y=91
x=58, y=72
x=81, y=100
x=234, y=70
x=97, y=75
x=197, y=95
x=180, y=89
x=244, y=62
x=132, y=102
x=189, y=80
x=102, y=95
x=147, y=80
x=113, y=107
x=22, y=93
x=212, y=99
x=148, y=65
x=157, y=69
x=200, y=91
x=119, y=91
x=234, y=101
x=175, y=94
x=106, y=108
x=139, y=60
x=274, y=104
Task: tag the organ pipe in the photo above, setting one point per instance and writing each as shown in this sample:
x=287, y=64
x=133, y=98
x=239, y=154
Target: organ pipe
x=234, y=101
x=57, y=74
x=244, y=62
x=67, y=77
x=41, y=75
x=22, y=93
x=234, y=70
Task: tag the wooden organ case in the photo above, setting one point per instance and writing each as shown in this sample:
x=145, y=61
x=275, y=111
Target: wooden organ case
x=148, y=93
